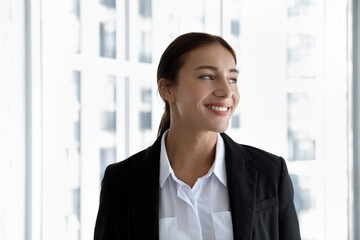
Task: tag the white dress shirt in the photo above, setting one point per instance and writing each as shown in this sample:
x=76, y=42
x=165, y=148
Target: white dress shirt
x=201, y=212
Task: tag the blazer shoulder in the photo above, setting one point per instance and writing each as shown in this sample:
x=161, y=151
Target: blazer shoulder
x=258, y=153
x=251, y=155
x=265, y=162
x=124, y=166
x=144, y=159
x=269, y=165
x=264, y=159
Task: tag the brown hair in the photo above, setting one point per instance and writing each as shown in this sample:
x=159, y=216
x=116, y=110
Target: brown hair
x=172, y=60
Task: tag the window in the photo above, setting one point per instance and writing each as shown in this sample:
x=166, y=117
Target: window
x=107, y=40
x=235, y=121
x=98, y=101
x=13, y=122
x=145, y=48
x=74, y=26
x=235, y=27
x=301, y=127
x=145, y=8
x=145, y=114
x=107, y=29
x=108, y=3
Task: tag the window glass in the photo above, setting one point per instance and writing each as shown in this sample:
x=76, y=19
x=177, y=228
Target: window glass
x=99, y=107
x=145, y=8
x=107, y=29
x=107, y=114
x=13, y=116
x=73, y=16
x=301, y=127
x=62, y=165
x=108, y=3
x=140, y=119
x=145, y=55
x=107, y=39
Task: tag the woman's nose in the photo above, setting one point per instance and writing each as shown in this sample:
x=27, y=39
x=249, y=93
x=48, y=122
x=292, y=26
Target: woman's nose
x=223, y=88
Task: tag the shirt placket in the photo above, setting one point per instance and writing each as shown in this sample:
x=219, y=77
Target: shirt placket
x=188, y=195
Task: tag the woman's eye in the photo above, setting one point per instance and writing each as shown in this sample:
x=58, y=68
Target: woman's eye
x=207, y=77
x=232, y=80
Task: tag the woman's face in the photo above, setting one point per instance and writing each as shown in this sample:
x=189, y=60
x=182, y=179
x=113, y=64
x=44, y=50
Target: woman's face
x=206, y=93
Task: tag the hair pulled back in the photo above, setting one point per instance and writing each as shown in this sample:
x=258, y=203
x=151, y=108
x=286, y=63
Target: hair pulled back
x=173, y=59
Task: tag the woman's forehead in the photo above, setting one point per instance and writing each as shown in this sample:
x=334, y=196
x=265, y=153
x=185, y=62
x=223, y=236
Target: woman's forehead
x=211, y=55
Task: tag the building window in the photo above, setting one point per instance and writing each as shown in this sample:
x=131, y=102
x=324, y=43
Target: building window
x=145, y=55
x=301, y=141
x=235, y=121
x=235, y=27
x=145, y=8
x=107, y=40
x=109, y=3
x=107, y=157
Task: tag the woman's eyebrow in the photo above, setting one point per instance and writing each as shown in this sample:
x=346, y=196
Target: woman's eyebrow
x=234, y=70
x=215, y=68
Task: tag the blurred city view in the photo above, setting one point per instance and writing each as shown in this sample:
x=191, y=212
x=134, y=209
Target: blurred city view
x=95, y=101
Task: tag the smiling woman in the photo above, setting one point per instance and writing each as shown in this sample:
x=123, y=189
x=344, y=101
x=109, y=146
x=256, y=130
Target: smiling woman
x=195, y=182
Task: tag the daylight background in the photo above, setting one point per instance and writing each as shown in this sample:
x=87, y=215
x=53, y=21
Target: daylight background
x=78, y=92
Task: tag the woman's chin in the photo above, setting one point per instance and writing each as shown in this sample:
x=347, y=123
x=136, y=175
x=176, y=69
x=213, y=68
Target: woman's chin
x=221, y=128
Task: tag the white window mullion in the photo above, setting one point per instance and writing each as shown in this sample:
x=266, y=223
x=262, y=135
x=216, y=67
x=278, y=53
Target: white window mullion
x=33, y=120
x=353, y=49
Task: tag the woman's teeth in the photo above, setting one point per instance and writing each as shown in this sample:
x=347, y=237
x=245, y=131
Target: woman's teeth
x=220, y=109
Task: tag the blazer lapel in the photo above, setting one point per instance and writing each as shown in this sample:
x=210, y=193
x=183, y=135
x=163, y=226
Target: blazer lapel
x=242, y=180
x=144, y=197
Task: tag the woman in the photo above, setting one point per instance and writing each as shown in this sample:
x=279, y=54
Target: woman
x=195, y=182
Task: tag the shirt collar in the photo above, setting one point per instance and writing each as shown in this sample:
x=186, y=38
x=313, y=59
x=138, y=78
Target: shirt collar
x=219, y=163
x=165, y=167
x=218, y=167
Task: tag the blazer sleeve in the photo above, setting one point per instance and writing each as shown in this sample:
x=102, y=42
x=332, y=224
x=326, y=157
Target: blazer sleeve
x=105, y=224
x=288, y=221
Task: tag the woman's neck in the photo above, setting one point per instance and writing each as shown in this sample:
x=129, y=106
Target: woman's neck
x=191, y=154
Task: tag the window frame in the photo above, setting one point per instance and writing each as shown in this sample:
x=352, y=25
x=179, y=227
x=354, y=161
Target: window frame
x=353, y=36
x=33, y=116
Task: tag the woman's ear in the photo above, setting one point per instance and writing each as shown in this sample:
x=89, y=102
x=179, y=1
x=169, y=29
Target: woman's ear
x=166, y=91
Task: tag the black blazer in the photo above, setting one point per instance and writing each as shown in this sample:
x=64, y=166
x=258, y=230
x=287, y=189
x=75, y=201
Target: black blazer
x=260, y=192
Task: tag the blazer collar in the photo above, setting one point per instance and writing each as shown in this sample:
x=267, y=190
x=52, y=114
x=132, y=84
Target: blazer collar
x=144, y=187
